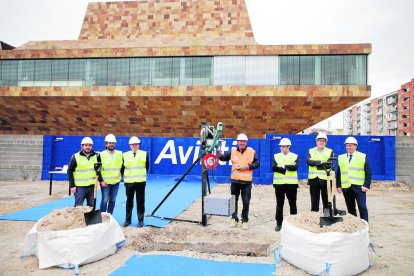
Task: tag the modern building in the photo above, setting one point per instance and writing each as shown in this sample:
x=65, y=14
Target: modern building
x=160, y=68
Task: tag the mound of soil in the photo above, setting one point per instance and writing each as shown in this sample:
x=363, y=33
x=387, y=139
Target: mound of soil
x=310, y=221
x=66, y=219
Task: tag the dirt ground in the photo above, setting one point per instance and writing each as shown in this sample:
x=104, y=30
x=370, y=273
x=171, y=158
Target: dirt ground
x=390, y=205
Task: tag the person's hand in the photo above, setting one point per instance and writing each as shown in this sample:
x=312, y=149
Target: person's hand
x=246, y=168
x=219, y=154
x=103, y=184
x=73, y=190
x=339, y=190
x=364, y=189
x=281, y=166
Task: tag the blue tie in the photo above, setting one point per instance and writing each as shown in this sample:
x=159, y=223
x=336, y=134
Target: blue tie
x=350, y=158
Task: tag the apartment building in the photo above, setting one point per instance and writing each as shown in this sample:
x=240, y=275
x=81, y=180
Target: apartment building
x=391, y=114
x=406, y=109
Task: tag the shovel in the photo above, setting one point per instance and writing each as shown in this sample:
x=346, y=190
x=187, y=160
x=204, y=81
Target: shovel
x=94, y=216
x=328, y=218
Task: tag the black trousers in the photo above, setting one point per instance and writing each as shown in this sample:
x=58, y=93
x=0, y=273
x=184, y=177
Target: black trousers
x=317, y=188
x=291, y=191
x=246, y=194
x=352, y=194
x=131, y=189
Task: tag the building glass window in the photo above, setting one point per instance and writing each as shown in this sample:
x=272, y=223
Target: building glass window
x=186, y=71
x=307, y=70
x=201, y=70
x=161, y=71
x=355, y=72
x=60, y=72
x=43, y=72
x=140, y=71
x=173, y=71
x=332, y=70
x=77, y=72
x=118, y=72
x=289, y=70
x=9, y=69
x=98, y=72
x=26, y=72
x=229, y=70
x=261, y=70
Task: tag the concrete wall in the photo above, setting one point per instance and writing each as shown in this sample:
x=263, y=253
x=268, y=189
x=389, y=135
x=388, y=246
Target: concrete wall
x=21, y=157
x=405, y=159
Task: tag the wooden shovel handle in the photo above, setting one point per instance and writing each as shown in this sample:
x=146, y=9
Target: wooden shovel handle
x=333, y=177
x=96, y=187
x=329, y=188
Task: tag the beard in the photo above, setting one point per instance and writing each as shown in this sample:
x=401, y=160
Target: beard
x=111, y=148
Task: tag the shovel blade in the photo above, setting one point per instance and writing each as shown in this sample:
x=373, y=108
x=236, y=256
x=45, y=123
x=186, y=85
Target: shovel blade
x=93, y=217
x=328, y=221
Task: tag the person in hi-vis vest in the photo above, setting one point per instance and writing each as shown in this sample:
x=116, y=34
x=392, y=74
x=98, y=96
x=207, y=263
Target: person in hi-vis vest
x=81, y=173
x=111, y=174
x=317, y=177
x=285, y=180
x=244, y=161
x=353, y=178
x=136, y=164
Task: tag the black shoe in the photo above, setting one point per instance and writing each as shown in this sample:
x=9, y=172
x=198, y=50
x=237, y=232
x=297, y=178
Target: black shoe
x=140, y=224
x=278, y=227
x=126, y=223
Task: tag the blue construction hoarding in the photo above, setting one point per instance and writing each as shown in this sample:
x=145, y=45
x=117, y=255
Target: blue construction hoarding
x=173, y=156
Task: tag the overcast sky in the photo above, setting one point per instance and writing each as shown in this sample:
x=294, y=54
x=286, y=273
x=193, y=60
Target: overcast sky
x=386, y=24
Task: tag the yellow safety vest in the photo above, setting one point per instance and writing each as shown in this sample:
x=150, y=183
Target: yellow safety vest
x=352, y=172
x=135, y=170
x=290, y=177
x=84, y=174
x=111, y=166
x=241, y=160
x=315, y=155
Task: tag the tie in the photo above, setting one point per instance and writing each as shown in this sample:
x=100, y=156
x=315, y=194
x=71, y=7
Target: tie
x=350, y=158
x=135, y=154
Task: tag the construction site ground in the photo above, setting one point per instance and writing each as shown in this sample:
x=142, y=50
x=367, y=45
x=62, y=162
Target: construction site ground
x=391, y=214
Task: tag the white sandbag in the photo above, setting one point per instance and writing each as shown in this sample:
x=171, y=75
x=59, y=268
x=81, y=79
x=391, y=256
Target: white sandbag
x=346, y=253
x=68, y=248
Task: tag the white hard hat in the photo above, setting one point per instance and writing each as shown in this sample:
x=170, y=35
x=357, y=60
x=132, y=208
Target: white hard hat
x=110, y=138
x=322, y=136
x=87, y=140
x=285, y=142
x=242, y=137
x=351, y=140
x=134, y=140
